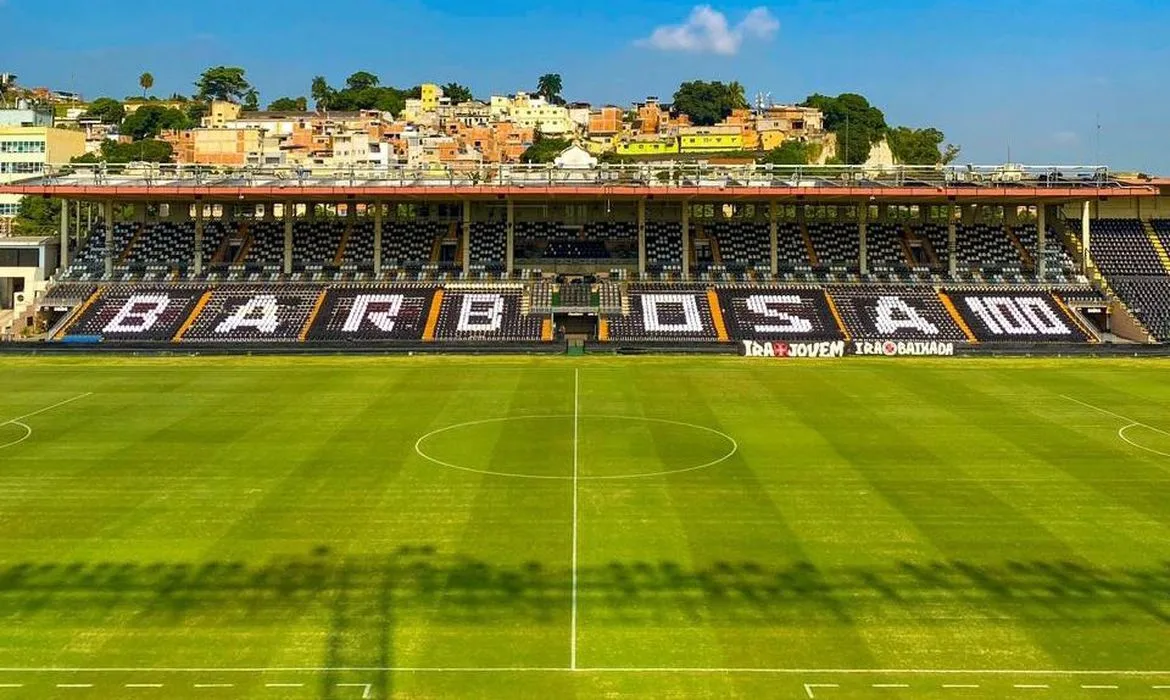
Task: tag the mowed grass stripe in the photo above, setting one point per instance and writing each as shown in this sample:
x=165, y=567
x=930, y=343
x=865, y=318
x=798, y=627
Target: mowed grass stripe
x=884, y=476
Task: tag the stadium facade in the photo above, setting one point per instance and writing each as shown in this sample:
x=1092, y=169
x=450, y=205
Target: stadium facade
x=761, y=260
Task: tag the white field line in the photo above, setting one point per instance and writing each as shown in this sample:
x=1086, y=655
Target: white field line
x=576, y=480
x=1131, y=423
x=960, y=686
x=810, y=687
x=1038, y=672
x=1100, y=687
x=367, y=688
x=46, y=408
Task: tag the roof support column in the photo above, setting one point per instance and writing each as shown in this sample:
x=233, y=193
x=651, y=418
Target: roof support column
x=466, y=237
x=288, y=237
x=686, y=241
x=1041, y=240
x=77, y=225
x=108, y=216
x=952, y=243
x=198, y=237
x=773, y=237
x=64, y=261
x=862, y=252
x=641, y=238
x=509, y=254
x=1085, y=236
x=378, y=238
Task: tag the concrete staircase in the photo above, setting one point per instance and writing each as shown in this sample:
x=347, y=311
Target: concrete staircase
x=1134, y=329
x=1156, y=241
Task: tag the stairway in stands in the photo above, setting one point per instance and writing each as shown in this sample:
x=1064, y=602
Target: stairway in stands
x=1156, y=241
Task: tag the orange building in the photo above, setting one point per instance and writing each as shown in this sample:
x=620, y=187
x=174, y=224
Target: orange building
x=606, y=121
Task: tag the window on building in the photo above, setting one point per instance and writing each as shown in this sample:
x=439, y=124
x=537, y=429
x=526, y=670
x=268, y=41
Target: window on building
x=19, y=257
x=22, y=146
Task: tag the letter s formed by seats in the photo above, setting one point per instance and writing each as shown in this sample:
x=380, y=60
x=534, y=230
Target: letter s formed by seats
x=784, y=322
x=138, y=314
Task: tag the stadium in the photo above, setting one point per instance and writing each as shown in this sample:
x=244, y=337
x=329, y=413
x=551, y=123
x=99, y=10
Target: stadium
x=324, y=525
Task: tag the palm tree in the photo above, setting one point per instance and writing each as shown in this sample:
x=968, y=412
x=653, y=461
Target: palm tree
x=738, y=95
x=321, y=92
x=146, y=80
x=549, y=86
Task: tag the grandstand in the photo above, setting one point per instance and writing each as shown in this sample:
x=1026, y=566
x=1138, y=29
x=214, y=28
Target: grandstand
x=620, y=257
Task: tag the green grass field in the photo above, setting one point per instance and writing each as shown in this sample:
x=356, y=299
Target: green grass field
x=553, y=527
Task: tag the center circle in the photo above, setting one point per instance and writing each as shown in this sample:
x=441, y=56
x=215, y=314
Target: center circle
x=600, y=447
x=13, y=433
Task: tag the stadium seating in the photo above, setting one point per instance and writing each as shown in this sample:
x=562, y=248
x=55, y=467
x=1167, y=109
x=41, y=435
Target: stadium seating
x=1148, y=298
x=137, y=313
x=1121, y=247
x=575, y=294
x=998, y=315
x=778, y=313
x=837, y=245
x=490, y=312
x=489, y=243
x=409, y=243
x=663, y=245
x=742, y=244
x=372, y=314
x=664, y=314
x=254, y=313
x=1060, y=264
x=89, y=260
x=883, y=246
x=895, y=313
x=576, y=249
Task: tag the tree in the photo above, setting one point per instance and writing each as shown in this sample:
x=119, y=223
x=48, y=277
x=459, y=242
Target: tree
x=288, y=104
x=251, y=101
x=857, y=124
x=321, y=92
x=788, y=153
x=222, y=83
x=106, y=110
x=195, y=113
x=706, y=103
x=149, y=121
x=361, y=80
x=457, y=93
x=920, y=146
x=146, y=81
x=544, y=149
x=549, y=87
x=738, y=95
x=37, y=216
x=146, y=151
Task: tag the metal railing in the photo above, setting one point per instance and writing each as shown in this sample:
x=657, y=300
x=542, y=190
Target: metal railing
x=649, y=175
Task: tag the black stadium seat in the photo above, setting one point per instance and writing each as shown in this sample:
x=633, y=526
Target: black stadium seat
x=665, y=314
x=137, y=313
x=778, y=313
x=372, y=314
x=895, y=313
x=254, y=313
x=998, y=315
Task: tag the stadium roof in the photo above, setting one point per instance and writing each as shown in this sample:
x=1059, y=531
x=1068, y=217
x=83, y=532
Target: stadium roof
x=658, y=181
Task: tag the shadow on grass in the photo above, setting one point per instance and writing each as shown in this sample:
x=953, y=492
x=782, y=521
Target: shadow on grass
x=360, y=601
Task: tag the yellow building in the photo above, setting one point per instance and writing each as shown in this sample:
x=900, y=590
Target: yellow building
x=430, y=96
x=710, y=139
x=219, y=114
x=25, y=150
x=650, y=145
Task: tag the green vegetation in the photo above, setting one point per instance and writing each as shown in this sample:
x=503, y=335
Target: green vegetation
x=878, y=514
x=792, y=153
x=544, y=149
x=362, y=91
x=920, y=146
x=223, y=83
x=37, y=216
x=106, y=110
x=708, y=103
x=457, y=93
x=288, y=104
x=150, y=121
x=146, y=82
x=146, y=151
x=549, y=86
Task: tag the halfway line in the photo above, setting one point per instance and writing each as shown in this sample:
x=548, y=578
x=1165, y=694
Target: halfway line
x=576, y=477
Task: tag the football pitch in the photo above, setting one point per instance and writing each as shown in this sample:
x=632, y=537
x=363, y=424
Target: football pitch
x=435, y=527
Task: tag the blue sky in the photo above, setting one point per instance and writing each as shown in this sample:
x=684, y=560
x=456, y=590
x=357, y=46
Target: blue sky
x=1029, y=75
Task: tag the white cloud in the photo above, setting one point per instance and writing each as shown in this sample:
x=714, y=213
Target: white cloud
x=707, y=31
x=1066, y=138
